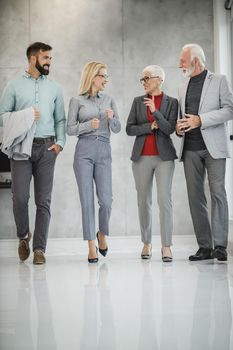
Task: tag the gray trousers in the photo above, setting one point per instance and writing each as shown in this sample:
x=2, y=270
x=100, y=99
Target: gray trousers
x=93, y=163
x=195, y=166
x=144, y=170
x=41, y=167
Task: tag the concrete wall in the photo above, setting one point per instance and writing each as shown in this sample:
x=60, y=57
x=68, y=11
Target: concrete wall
x=127, y=35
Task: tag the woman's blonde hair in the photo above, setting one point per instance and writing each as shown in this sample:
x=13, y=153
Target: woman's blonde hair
x=90, y=70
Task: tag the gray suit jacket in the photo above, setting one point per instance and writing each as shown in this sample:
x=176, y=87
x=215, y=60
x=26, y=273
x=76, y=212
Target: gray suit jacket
x=215, y=109
x=139, y=126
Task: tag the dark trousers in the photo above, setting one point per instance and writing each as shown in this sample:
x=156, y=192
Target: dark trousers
x=41, y=167
x=196, y=165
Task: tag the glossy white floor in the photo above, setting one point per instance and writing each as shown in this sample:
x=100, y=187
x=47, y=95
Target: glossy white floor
x=122, y=303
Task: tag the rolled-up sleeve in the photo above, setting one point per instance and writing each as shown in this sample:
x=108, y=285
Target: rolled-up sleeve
x=74, y=127
x=60, y=119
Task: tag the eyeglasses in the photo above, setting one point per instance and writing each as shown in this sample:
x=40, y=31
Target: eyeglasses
x=146, y=79
x=105, y=76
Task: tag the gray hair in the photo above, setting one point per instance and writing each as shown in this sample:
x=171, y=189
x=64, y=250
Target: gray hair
x=156, y=71
x=196, y=51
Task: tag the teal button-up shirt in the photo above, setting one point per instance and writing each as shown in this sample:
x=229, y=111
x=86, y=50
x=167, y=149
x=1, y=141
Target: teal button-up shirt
x=43, y=94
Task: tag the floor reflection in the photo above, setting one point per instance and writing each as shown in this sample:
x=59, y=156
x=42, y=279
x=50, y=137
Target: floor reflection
x=45, y=332
x=98, y=326
x=148, y=334
x=212, y=317
x=23, y=321
x=168, y=329
x=33, y=328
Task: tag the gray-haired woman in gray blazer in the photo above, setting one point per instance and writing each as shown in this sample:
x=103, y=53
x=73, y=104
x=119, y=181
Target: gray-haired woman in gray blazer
x=152, y=120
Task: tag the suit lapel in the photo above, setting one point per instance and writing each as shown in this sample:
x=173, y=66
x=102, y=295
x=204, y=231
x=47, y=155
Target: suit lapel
x=163, y=107
x=164, y=104
x=205, y=88
x=143, y=109
x=183, y=96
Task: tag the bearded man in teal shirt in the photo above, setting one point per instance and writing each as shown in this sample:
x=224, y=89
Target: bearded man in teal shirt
x=34, y=93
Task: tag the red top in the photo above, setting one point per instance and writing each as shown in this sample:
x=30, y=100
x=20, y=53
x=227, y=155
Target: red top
x=150, y=145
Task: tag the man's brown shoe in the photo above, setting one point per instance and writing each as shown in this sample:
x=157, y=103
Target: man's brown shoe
x=24, y=249
x=39, y=257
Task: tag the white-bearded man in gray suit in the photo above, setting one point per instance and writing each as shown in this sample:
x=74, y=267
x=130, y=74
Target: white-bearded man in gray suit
x=206, y=104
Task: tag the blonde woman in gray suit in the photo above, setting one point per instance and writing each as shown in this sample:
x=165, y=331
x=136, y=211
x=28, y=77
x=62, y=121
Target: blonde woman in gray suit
x=152, y=120
x=92, y=116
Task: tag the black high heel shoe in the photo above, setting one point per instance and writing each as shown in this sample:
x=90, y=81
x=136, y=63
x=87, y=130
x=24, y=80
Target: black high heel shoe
x=102, y=251
x=166, y=258
x=94, y=260
x=147, y=256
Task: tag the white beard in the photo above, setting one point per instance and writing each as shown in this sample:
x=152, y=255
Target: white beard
x=187, y=72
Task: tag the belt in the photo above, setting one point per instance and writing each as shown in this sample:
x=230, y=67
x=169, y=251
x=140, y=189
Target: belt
x=95, y=137
x=42, y=140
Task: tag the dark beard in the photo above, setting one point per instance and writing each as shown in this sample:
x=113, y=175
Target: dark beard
x=41, y=69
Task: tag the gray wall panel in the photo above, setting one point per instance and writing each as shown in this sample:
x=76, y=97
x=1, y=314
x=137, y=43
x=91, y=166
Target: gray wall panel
x=127, y=35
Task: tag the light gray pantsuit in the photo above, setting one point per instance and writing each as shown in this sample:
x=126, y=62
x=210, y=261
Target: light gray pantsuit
x=92, y=163
x=144, y=171
x=195, y=166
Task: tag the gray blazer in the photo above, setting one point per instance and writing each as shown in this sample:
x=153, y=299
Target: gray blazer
x=215, y=109
x=139, y=126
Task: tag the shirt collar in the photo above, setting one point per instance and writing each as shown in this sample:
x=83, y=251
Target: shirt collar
x=27, y=75
x=89, y=96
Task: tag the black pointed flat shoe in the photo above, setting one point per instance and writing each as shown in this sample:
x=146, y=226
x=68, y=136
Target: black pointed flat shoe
x=94, y=260
x=102, y=251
